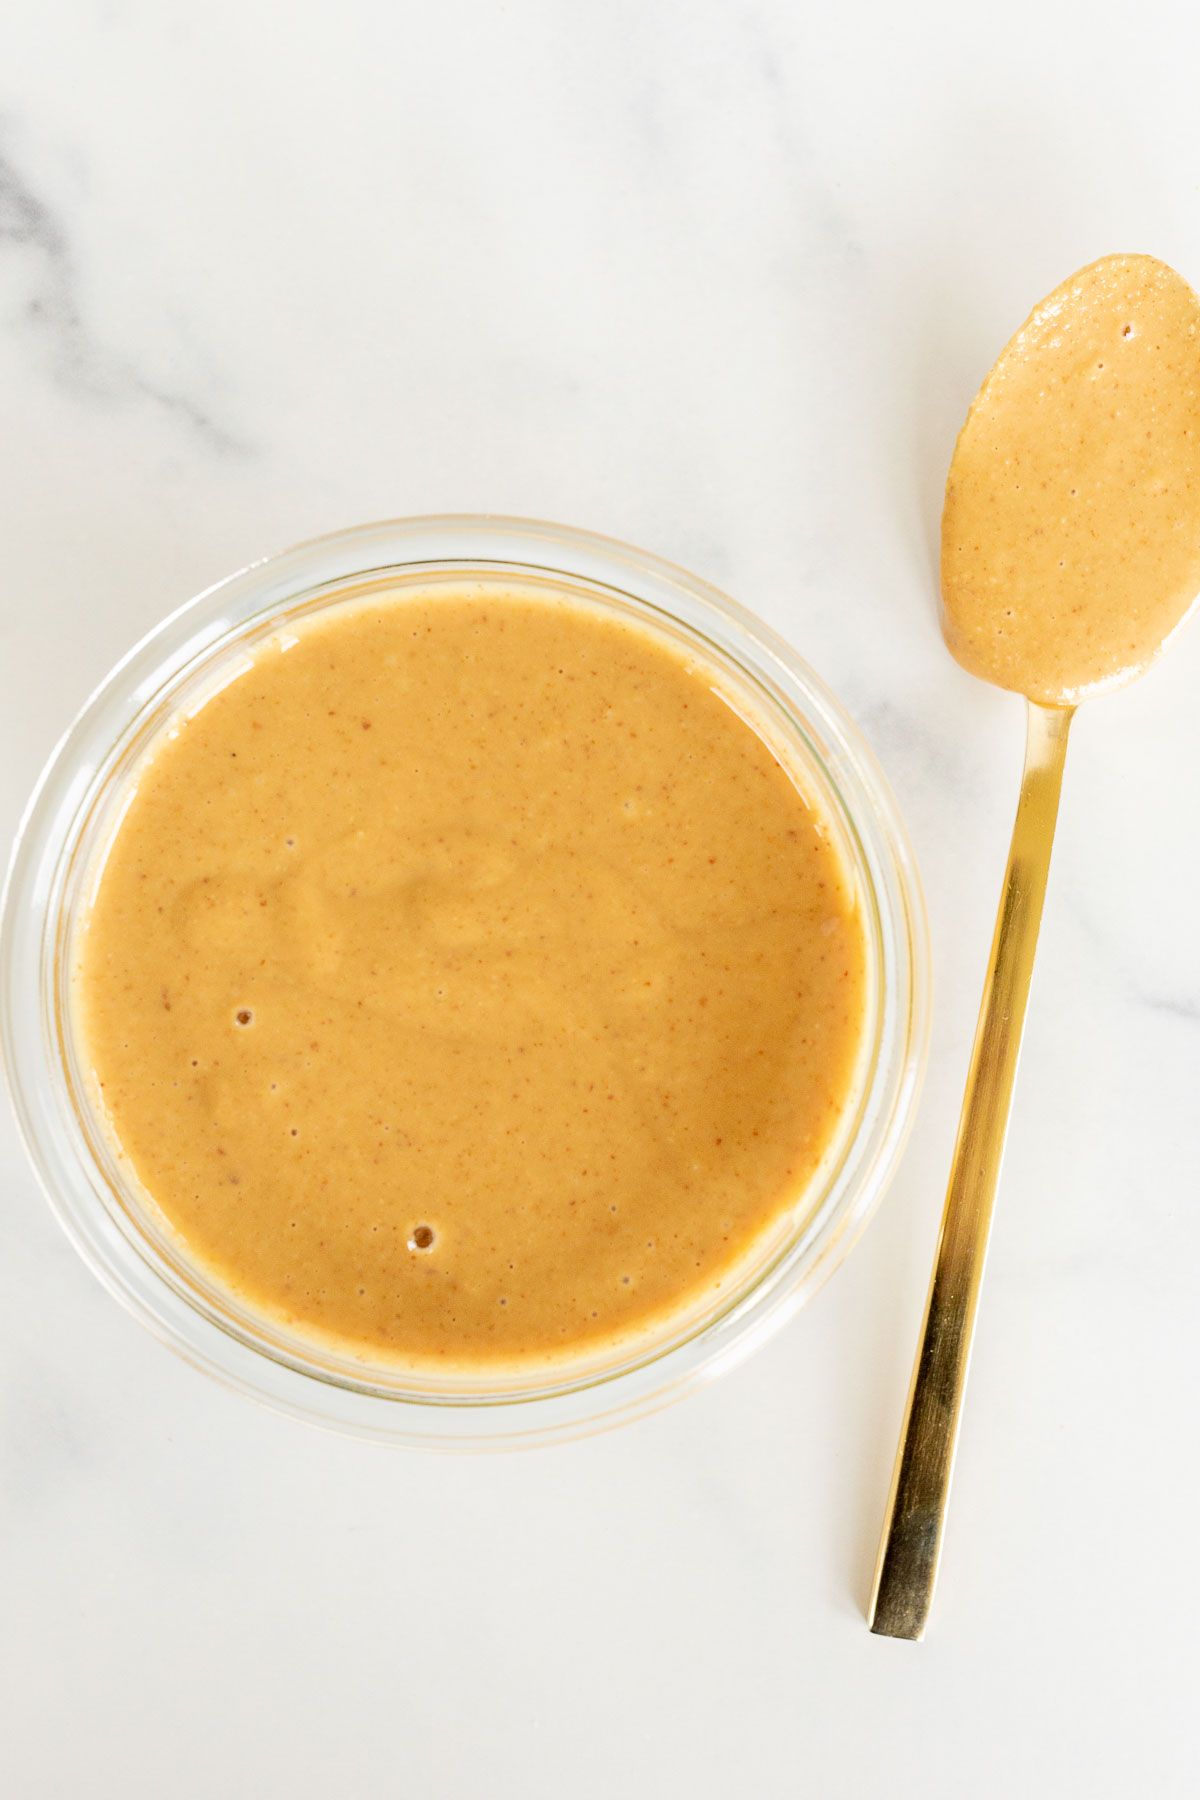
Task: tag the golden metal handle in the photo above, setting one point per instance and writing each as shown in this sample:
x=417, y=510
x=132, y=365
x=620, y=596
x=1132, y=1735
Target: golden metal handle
x=916, y=1514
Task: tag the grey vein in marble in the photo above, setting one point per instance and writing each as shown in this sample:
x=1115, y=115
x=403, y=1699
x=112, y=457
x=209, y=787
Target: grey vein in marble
x=1112, y=957
x=800, y=154
x=83, y=367
x=903, y=740
x=1176, y=1006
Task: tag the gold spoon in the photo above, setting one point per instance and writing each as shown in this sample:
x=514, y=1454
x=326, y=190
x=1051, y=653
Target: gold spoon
x=1070, y=552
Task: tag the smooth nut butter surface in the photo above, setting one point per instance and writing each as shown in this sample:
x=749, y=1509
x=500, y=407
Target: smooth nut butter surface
x=466, y=982
x=1071, y=532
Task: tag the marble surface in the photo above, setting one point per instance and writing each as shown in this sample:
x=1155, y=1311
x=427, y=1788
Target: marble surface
x=718, y=278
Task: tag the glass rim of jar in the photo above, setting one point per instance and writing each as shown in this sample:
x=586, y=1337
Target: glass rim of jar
x=147, y=1268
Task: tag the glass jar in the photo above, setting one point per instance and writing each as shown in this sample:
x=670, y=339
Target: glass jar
x=74, y=809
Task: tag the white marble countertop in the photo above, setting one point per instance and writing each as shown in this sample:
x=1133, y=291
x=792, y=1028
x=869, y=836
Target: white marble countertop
x=719, y=279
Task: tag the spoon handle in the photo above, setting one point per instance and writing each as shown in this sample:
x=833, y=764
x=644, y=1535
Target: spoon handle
x=916, y=1515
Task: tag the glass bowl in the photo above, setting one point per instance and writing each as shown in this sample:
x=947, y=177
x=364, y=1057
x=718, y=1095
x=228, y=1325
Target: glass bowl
x=78, y=799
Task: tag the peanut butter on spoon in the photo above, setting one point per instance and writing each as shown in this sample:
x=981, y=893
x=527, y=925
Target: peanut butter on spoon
x=1070, y=553
x=1071, y=531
